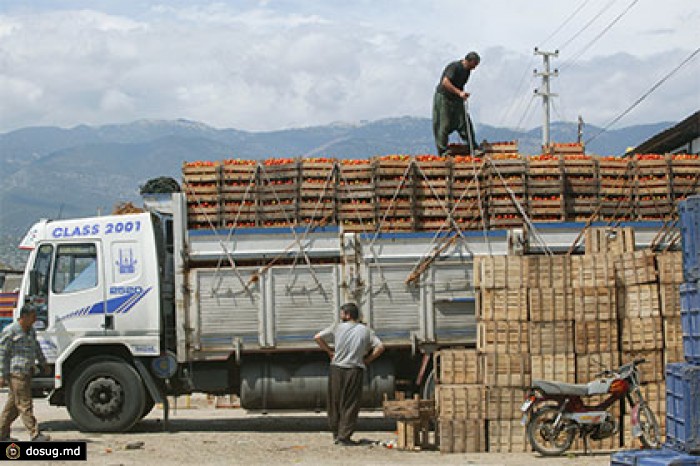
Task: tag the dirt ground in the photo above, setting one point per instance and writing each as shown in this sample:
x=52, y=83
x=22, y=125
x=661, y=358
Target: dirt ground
x=203, y=435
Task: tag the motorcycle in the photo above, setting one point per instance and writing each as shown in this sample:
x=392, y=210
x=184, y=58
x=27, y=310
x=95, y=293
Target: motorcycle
x=554, y=412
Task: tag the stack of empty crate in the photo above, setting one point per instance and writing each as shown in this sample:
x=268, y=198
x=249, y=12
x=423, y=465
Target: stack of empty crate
x=581, y=186
x=652, y=194
x=616, y=188
x=432, y=191
x=278, y=193
x=317, y=194
x=238, y=193
x=545, y=188
x=504, y=344
x=395, y=193
x=200, y=182
x=507, y=186
x=468, y=191
x=356, y=195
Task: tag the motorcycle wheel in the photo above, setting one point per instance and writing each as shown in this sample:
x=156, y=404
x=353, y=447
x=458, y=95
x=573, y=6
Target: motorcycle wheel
x=651, y=434
x=541, y=436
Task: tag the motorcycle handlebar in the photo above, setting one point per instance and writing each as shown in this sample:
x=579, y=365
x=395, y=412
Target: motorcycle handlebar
x=639, y=361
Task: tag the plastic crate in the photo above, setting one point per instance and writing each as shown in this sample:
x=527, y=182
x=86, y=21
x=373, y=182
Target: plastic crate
x=690, y=295
x=690, y=321
x=689, y=212
x=683, y=407
x=663, y=457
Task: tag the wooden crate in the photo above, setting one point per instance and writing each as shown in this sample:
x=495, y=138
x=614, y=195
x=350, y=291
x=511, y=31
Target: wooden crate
x=673, y=354
x=412, y=408
x=461, y=401
x=637, y=334
x=559, y=367
x=673, y=332
x=462, y=436
x=670, y=298
x=506, y=370
x=592, y=271
x=503, y=336
x=590, y=364
x=653, y=369
x=552, y=337
x=639, y=301
x=548, y=271
x=458, y=366
x=500, y=272
x=502, y=304
x=635, y=268
x=550, y=304
x=507, y=436
x=598, y=336
x=608, y=240
x=503, y=403
x=412, y=435
x=591, y=304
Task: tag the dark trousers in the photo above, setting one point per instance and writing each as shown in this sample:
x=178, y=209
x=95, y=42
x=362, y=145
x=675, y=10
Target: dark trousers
x=449, y=116
x=344, y=397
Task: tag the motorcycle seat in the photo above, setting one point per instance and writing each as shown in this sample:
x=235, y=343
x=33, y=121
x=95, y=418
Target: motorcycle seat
x=560, y=388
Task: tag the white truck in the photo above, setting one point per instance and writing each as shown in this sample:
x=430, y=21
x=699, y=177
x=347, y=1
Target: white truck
x=136, y=307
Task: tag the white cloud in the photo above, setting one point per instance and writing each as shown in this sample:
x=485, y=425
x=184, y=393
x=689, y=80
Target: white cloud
x=270, y=65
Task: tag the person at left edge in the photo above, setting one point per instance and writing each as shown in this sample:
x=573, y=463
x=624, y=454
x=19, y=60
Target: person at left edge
x=19, y=352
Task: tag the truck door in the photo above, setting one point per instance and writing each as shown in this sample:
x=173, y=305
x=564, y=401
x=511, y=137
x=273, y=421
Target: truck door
x=77, y=294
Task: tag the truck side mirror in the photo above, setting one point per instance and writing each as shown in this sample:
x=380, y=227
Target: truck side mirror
x=33, y=282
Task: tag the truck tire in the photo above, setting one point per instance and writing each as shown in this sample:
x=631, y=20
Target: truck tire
x=106, y=396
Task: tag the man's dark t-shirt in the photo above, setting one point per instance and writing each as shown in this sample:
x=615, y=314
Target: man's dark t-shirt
x=457, y=74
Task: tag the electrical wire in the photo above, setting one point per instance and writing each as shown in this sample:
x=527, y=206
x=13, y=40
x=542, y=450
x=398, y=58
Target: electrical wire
x=587, y=25
x=565, y=22
x=585, y=48
x=525, y=113
x=646, y=94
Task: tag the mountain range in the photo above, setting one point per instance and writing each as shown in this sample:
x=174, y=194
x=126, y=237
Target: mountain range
x=56, y=172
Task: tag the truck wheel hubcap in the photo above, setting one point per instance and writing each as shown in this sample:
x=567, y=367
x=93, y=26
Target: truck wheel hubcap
x=104, y=397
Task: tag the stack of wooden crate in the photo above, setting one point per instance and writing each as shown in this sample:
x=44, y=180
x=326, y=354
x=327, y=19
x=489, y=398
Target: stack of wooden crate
x=200, y=181
x=460, y=401
x=670, y=268
x=507, y=189
x=652, y=193
x=278, y=193
x=504, y=345
x=238, y=193
x=616, y=189
x=685, y=176
x=468, y=193
x=356, y=195
x=581, y=186
x=545, y=188
x=394, y=187
x=317, y=194
x=432, y=191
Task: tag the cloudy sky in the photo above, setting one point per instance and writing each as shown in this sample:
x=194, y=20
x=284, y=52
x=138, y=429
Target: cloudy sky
x=272, y=64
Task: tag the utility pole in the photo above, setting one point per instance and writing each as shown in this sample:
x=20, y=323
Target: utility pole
x=545, y=93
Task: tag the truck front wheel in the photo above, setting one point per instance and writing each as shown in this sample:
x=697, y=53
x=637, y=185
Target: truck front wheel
x=106, y=396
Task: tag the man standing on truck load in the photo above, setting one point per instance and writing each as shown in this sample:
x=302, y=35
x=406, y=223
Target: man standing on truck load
x=19, y=351
x=448, y=103
x=353, y=342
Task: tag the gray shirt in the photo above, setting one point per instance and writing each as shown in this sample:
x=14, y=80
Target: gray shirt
x=352, y=343
x=19, y=350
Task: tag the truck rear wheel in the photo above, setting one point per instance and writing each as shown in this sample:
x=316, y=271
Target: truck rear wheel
x=106, y=396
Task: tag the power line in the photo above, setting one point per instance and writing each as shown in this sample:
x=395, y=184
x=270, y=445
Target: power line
x=525, y=113
x=646, y=94
x=565, y=22
x=585, y=48
x=588, y=24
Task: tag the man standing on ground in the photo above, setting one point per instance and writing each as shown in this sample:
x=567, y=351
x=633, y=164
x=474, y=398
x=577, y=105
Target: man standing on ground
x=19, y=351
x=448, y=103
x=353, y=342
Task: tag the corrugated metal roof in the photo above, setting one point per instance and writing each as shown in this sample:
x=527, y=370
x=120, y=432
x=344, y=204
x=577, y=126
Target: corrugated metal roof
x=672, y=138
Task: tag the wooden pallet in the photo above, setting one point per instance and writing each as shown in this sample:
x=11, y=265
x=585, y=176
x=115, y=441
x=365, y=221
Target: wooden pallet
x=559, y=367
x=641, y=334
x=596, y=336
x=551, y=337
x=458, y=366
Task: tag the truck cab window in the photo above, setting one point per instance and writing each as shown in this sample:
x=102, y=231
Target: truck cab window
x=76, y=268
x=42, y=268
